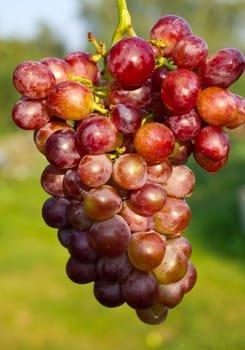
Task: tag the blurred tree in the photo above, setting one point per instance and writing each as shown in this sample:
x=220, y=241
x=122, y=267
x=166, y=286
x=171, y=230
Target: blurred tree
x=12, y=52
x=219, y=22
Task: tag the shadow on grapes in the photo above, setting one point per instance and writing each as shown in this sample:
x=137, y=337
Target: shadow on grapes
x=216, y=220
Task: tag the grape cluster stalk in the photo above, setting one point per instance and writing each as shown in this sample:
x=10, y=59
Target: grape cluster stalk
x=117, y=142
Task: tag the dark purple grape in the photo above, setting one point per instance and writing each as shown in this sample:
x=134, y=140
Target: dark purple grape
x=64, y=235
x=114, y=269
x=80, y=248
x=140, y=289
x=73, y=186
x=155, y=314
x=77, y=215
x=80, y=272
x=108, y=294
x=110, y=237
x=54, y=212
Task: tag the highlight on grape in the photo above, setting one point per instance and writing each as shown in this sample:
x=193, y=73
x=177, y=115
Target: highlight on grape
x=117, y=142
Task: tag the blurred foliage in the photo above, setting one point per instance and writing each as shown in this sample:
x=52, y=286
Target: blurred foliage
x=12, y=52
x=219, y=22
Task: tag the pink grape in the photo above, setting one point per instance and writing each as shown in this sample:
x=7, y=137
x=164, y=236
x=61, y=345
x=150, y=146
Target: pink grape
x=61, y=70
x=30, y=114
x=33, y=79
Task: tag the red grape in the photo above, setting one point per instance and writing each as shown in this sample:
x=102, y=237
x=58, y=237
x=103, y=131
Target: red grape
x=223, y=68
x=180, y=90
x=70, y=100
x=131, y=61
x=217, y=106
x=170, y=29
x=110, y=237
x=33, y=79
x=190, y=52
x=154, y=142
x=30, y=114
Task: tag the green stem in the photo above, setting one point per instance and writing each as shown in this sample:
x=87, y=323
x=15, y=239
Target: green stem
x=124, y=25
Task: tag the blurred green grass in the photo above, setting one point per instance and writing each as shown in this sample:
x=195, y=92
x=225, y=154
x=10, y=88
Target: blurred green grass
x=40, y=309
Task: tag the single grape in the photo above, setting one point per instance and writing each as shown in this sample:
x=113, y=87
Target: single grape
x=172, y=267
x=102, y=202
x=223, y=68
x=114, y=269
x=182, y=152
x=126, y=118
x=157, y=77
x=110, y=237
x=80, y=248
x=173, y=218
x=190, y=52
x=33, y=79
x=140, y=289
x=72, y=185
x=154, y=142
x=52, y=180
x=94, y=170
x=189, y=279
x=217, y=106
x=131, y=61
x=70, y=100
x=153, y=315
x=181, y=182
x=170, y=29
x=54, y=212
x=80, y=272
x=61, y=70
x=159, y=172
x=96, y=135
x=146, y=250
x=30, y=114
x=108, y=294
x=180, y=90
x=210, y=165
x=82, y=65
x=130, y=171
x=139, y=97
x=148, y=199
x=184, y=126
x=64, y=235
x=77, y=215
x=60, y=149
x=240, y=117
x=212, y=142
x=170, y=294
x=180, y=243
x=135, y=221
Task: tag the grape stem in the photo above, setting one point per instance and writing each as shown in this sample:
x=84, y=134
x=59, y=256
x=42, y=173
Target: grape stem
x=124, y=24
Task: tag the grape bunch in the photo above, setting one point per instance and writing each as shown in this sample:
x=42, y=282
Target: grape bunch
x=117, y=140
